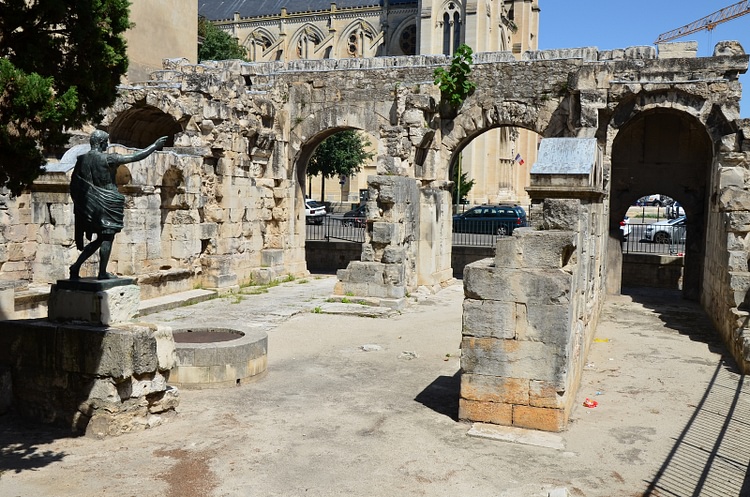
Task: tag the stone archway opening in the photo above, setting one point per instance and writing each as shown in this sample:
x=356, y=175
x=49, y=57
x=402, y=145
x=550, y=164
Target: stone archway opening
x=139, y=127
x=494, y=166
x=659, y=156
x=335, y=238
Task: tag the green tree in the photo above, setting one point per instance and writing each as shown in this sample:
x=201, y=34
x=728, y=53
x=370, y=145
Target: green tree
x=60, y=64
x=463, y=186
x=341, y=154
x=217, y=43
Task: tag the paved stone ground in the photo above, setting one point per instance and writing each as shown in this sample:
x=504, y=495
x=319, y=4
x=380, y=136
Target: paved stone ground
x=332, y=417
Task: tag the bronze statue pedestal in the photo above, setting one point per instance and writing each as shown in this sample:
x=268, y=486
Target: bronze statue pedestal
x=97, y=302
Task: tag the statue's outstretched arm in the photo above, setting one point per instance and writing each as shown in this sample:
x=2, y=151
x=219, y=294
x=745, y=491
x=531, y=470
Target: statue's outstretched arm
x=142, y=154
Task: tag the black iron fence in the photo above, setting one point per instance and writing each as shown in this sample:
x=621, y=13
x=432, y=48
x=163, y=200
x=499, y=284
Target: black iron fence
x=653, y=239
x=337, y=228
x=467, y=233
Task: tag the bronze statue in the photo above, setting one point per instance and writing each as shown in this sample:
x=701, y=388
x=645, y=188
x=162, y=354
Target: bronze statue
x=98, y=207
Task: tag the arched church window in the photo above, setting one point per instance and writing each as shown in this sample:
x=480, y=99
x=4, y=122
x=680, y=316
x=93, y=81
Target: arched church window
x=408, y=40
x=352, y=45
x=451, y=29
x=446, y=34
x=256, y=46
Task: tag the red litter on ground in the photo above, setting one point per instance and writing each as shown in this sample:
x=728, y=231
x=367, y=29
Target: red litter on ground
x=590, y=403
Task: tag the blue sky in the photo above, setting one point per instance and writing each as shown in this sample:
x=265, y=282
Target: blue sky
x=608, y=24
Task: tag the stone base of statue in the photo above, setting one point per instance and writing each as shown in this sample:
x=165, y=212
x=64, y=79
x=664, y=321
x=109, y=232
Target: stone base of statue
x=89, y=367
x=94, y=301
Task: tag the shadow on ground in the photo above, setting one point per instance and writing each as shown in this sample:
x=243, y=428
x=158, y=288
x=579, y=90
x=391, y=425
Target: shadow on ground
x=21, y=444
x=684, y=316
x=711, y=455
x=442, y=395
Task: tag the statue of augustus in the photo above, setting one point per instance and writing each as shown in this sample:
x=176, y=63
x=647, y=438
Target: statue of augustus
x=98, y=207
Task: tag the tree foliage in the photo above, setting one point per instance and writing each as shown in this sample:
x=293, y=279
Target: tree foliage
x=217, y=44
x=60, y=64
x=455, y=85
x=462, y=186
x=341, y=154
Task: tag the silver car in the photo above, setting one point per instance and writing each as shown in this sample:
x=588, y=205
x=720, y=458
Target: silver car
x=667, y=231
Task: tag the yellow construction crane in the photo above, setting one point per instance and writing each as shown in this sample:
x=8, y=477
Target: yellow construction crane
x=709, y=22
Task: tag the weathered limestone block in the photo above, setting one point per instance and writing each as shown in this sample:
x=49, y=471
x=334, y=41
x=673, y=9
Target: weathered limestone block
x=103, y=381
x=738, y=261
x=489, y=388
x=529, y=286
x=498, y=413
x=363, y=272
x=535, y=249
x=489, y=319
x=272, y=257
x=562, y=214
x=549, y=324
x=392, y=255
x=675, y=50
x=394, y=274
x=738, y=221
x=734, y=198
x=386, y=233
x=111, y=305
x=539, y=418
x=514, y=359
x=546, y=394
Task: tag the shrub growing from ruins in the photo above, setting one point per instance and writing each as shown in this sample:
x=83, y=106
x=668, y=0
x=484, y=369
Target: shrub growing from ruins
x=60, y=64
x=454, y=83
x=217, y=44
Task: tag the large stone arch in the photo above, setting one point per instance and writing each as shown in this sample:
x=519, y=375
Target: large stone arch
x=666, y=151
x=308, y=131
x=486, y=115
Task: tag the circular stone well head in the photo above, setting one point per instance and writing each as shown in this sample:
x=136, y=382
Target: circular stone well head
x=217, y=357
x=206, y=335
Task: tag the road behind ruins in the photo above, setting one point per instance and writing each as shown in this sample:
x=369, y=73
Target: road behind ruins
x=357, y=405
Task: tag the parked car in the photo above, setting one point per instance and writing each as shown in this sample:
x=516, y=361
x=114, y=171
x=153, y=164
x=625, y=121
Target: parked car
x=625, y=227
x=675, y=210
x=667, y=231
x=315, y=212
x=655, y=200
x=355, y=217
x=490, y=219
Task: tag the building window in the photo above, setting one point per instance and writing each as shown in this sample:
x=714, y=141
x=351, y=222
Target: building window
x=352, y=45
x=256, y=45
x=408, y=40
x=451, y=29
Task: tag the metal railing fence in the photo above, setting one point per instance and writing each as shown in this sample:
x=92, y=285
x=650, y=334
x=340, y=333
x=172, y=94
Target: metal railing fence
x=637, y=242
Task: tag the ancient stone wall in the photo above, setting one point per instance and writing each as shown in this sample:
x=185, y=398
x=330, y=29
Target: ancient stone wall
x=726, y=294
x=101, y=381
x=529, y=317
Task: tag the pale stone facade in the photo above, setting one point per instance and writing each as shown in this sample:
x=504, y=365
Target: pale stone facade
x=162, y=30
x=287, y=31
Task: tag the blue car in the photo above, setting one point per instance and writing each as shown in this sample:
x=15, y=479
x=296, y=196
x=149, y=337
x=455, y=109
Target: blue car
x=490, y=219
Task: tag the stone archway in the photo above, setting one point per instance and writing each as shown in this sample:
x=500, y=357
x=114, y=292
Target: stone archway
x=670, y=152
x=138, y=127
